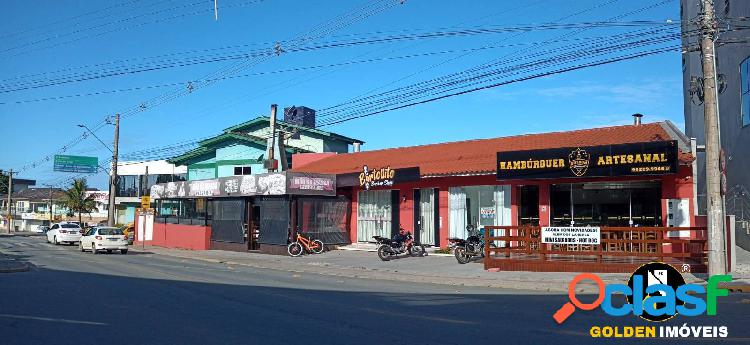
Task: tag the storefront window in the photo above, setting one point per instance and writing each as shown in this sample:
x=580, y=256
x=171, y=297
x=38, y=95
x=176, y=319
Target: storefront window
x=373, y=214
x=606, y=204
x=477, y=206
x=183, y=211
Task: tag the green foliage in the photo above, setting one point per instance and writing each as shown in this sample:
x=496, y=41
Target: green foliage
x=3, y=182
x=75, y=199
x=444, y=251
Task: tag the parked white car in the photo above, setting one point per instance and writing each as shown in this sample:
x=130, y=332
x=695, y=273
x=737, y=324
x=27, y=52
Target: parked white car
x=64, y=233
x=104, y=238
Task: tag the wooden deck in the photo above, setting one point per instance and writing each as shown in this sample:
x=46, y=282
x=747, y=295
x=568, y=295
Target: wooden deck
x=622, y=250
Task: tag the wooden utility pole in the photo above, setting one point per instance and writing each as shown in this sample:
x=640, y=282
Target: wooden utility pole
x=272, y=147
x=113, y=175
x=10, y=192
x=716, y=218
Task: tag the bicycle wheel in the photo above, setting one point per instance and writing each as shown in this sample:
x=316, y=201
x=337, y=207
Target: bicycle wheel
x=294, y=249
x=319, y=247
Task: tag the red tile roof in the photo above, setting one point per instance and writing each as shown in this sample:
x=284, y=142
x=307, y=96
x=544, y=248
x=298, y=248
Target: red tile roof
x=480, y=156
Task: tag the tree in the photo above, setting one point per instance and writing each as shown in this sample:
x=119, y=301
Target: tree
x=3, y=182
x=75, y=199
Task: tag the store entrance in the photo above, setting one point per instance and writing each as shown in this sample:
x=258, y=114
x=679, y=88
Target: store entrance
x=252, y=227
x=528, y=201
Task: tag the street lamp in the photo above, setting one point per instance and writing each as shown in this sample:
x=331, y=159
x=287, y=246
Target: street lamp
x=97, y=138
x=113, y=171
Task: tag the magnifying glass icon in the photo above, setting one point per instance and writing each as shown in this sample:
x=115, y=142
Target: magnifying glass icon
x=568, y=308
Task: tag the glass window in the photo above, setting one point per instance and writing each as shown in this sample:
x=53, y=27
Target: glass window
x=477, y=206
x=745, y=81
x=373, y=214
x=242, y=171
x=70, y=226
x=110, y=231
x=606, y=204
x=127, y=185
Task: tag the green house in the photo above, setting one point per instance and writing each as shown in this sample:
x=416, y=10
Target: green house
x=242, y=149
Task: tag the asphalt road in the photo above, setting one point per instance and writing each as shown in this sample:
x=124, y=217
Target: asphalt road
x=79, y=298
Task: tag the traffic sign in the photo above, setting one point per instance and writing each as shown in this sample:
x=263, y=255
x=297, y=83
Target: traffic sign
x=76, y=164
x=145, y=202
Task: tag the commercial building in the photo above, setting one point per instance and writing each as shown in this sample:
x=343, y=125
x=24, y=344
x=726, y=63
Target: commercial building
x=134, y=179
x=631, y=186
x=230, y=201
x=733, y=75
x=243, y=148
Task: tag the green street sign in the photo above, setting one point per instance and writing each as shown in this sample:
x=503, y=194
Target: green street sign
x=76, y=164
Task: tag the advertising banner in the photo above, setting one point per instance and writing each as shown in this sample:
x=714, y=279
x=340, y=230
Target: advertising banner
x=571, y=235
x=280, y=183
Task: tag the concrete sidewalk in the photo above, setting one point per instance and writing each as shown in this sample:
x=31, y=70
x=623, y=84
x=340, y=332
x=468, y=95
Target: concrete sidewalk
x=430, y=269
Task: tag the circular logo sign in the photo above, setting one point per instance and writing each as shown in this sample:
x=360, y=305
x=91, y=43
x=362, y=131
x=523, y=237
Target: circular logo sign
x=651, y=274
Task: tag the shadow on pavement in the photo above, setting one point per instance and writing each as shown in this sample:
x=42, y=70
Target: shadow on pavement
x=60, y=307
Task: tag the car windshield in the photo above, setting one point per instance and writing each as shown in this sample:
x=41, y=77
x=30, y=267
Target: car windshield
x=69, y=226
x=110, y=231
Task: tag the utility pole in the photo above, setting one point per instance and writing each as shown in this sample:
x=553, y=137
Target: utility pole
x=10, y=192
x=716, y=218
x=271, y=148
x=113, y=176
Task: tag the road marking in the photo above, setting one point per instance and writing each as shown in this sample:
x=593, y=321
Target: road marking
x=37, y=318
x=428, y=318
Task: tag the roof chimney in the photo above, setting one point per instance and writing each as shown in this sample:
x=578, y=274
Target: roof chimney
x=356, y=147
x=637, y=119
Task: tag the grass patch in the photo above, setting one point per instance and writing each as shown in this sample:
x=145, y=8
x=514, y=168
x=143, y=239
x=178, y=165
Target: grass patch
x=444, y=251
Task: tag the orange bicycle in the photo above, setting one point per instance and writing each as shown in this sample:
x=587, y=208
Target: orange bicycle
x=305, y=243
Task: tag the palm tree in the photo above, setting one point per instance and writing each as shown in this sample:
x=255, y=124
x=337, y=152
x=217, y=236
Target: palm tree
x=75, y=199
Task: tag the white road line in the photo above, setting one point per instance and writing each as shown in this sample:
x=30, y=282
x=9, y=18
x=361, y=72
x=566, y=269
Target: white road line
x=37, y=318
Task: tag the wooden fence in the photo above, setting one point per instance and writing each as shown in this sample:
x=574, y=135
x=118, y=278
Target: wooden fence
x=622, y=250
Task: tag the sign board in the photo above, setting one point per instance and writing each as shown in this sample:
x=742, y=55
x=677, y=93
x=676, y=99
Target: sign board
x=636, y=159
x=377, y=177
x=76, y=164
x=145, y=202
x=280, y=183
x=571, y=235
x=310, y=184
x=487, y=212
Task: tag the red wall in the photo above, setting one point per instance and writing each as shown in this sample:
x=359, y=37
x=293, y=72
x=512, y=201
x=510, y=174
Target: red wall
x=178, y=236
x=679, y=185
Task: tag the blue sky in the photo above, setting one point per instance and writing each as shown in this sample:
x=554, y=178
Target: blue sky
x=599, y=96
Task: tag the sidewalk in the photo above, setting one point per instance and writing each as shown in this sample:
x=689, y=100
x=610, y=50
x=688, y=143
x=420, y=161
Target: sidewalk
x=430, y=269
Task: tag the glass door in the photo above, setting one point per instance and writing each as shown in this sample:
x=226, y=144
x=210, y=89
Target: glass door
x=426, y=221
x=373, y=214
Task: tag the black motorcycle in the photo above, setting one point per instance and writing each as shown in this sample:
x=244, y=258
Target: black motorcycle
x=398, y=245
x=466, y=249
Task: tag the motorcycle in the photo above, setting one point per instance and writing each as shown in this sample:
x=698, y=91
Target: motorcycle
x=466, y=249
x=393, y=247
